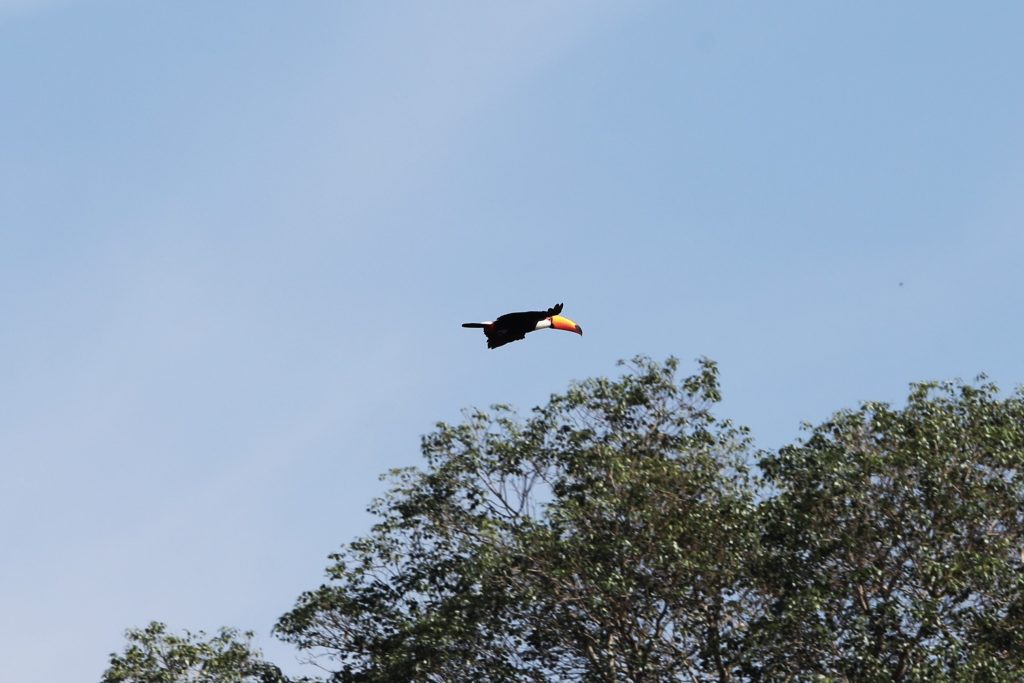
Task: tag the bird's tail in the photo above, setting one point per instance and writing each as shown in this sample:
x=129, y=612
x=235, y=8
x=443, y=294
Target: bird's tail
x=474, y=325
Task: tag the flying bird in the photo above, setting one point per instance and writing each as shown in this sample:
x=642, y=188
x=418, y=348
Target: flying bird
x=515, y=326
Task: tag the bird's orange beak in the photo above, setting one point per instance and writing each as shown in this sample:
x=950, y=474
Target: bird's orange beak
x=562, y=323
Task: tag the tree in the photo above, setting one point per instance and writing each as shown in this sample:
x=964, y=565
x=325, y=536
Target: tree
x=604, y=538
x=894, y=543
x=153, y=655
x=622, y=532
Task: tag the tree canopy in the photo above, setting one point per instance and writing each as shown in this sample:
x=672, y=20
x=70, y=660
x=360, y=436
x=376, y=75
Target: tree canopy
x=152, y=655
x=625, y=532
x=893, y=549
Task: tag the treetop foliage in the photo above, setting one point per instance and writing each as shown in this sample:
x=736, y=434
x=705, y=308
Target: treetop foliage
x=624, y=532
x=153, y=655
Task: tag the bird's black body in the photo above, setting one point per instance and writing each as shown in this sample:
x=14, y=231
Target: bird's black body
x=513, y=326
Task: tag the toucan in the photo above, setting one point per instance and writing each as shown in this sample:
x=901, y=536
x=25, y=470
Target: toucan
x=514, y=326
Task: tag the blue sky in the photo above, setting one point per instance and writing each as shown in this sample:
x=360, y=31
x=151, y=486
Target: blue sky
x=237, y=240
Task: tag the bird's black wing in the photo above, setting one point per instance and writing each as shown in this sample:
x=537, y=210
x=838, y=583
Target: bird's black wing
x=526, y=320
x=500, y=336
